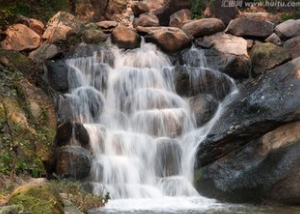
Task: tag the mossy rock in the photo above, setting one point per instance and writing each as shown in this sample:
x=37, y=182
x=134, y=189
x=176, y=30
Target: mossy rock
x=37, y=199
x=266, y=56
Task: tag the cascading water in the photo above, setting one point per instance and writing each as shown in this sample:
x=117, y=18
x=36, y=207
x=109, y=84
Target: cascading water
x=143, y=135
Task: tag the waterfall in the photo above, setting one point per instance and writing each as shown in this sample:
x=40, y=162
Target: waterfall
x=143, y=135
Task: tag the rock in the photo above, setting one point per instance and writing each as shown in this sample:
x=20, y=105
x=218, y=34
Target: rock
x=11, y=209
x=64, y=134
x=203, y=107
x=44, y=52
x=288, y=29
x=146, y=20
x=163, y=14
x=82, y=136
x=250, y=28
x=250, y=43
x=292, y=46
x=261, y=106
x=169, y=39
x=226, y=14
x=168, y=157
x=179, y=18
x=93, y=34
x=57, y=73
x=20, y=38
x=227, y=54
x=37, y=199
x=39, y=105
x=125, y=38
x=35, y=25
x=270, y=161
x=60, y=27
x=73, y=162
x=203, y=27
x=191, y=81
x=273, y=38
x=107, y=26
x=262, y=16
x=141, y=7
x=226, y=43
x=266, y=56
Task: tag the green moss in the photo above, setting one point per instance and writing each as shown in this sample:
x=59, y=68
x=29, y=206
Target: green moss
x=37, y=199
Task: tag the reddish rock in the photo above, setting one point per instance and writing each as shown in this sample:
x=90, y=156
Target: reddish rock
x=147, y=20
x=125, y=38
x=169, y=39
x=203, y=27
x=19, y=37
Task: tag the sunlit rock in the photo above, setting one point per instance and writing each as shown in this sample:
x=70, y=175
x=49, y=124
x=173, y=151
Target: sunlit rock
x=125, y=38
x=59, y=27
x=20, y=38
x=169, y=39
x=203, y=27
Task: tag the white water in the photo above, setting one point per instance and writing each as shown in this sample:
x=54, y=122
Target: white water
x=143, y=136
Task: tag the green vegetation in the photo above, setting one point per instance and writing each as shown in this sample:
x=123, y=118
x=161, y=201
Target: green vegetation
x=24, y=141
x=42, y=9
x=37, y=199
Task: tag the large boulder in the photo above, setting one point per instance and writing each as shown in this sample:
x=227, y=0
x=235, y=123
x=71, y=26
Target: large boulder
x=169, y=39
x=288, y=29
x=20, y=38
x=293, y=46
x=73, y=162
x=171, y=7
x=250, y=28
x=260, y=106
x=125, y=38
x=203, y=27
x=266, y=169
x=191, y=81
x=266, y=56
x=60, y=27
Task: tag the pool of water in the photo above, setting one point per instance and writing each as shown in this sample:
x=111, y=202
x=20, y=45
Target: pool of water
x=191, y=205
